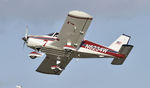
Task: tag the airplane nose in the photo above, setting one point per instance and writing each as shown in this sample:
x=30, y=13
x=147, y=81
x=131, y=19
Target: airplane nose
x=24, y=39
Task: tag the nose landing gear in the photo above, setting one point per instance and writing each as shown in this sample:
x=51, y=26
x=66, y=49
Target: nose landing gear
x=34, y=55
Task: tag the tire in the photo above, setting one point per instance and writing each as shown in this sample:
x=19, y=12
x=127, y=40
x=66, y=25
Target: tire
x=33, y=57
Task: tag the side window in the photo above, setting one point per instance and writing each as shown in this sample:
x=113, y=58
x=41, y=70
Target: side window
x=51, y=34
x=56, y=35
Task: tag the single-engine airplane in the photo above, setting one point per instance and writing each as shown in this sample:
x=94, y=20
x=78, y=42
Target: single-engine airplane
x=69, y=43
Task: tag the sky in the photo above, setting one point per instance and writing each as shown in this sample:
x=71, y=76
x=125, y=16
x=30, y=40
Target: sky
x=111, y=18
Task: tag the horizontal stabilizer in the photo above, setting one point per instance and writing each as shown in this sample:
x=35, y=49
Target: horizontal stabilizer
x=125, y=50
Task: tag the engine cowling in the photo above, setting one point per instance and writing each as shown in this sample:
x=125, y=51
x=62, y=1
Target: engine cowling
x=34, y=55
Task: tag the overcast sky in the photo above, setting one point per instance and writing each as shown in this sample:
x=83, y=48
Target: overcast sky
x=111, y=18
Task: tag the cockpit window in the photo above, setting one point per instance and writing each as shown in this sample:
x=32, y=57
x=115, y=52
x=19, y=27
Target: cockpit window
x=50, y=34
x=54, y=34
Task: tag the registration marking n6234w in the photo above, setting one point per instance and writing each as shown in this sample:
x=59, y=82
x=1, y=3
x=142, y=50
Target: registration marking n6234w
x=96, y=48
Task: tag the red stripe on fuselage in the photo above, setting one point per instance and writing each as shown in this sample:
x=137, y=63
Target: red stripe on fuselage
x=35, y=53
x=99, y=48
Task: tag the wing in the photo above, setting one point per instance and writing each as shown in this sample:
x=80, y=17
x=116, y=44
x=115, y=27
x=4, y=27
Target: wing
x=73, y=30
x=53, y=64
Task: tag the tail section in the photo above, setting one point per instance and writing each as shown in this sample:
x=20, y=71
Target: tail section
x=125, y=50
x=116, y=45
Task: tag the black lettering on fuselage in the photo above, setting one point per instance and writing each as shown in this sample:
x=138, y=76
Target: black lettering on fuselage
x=96, y=48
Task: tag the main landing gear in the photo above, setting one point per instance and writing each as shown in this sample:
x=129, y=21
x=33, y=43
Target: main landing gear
x=57, y=67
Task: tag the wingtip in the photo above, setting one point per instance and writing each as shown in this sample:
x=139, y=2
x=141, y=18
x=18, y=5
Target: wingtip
x=43, y=72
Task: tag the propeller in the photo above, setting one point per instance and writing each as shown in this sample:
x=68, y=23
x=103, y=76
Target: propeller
x=23, y=44
x=25, y=38
x=26, y=34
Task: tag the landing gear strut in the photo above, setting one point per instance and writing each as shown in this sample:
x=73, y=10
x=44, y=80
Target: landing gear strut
x=34, y=55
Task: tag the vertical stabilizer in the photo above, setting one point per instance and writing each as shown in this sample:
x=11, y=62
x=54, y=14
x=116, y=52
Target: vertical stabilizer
x=116, y=45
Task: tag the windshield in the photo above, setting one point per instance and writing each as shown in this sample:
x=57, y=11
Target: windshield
x=54, y=34
x=50, y=34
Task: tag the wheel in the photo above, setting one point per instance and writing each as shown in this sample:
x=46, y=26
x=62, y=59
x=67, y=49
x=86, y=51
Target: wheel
x=33, y=57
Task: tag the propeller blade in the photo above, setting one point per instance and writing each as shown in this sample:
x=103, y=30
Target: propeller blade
x=25, y=38
x=26, y=34
x=24, y=44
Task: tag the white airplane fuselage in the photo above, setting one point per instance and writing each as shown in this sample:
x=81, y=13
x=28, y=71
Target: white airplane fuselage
x=38, y=42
